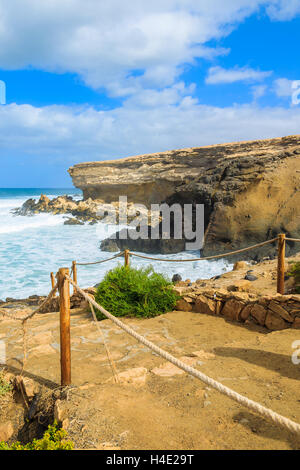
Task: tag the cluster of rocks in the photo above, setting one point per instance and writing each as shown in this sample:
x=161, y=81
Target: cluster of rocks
x=81, y=211
x=275, y=312
x=84, y=211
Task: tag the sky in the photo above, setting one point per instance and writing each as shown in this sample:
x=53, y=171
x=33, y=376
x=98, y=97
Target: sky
x=88, y=80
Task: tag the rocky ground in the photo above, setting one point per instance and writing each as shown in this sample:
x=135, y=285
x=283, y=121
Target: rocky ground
x=156, y=405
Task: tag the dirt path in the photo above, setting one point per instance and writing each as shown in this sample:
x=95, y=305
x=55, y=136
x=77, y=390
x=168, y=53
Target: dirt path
x=158, y=406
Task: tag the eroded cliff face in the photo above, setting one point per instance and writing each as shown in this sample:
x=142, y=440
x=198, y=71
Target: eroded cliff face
x=250, y=189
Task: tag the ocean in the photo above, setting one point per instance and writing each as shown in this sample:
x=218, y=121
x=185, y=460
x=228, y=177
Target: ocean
x=32, y=247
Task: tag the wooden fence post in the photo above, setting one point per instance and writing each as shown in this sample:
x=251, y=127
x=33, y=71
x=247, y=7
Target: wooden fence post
x=65, y=336
x=126, y=256
x=74, y=268
x=280, y=265
x=52, y=280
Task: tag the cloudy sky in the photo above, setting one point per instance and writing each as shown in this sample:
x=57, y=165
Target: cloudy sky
x=94, y=80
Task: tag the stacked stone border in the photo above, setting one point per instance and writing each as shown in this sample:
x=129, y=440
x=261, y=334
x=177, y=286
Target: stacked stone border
x=275, y=312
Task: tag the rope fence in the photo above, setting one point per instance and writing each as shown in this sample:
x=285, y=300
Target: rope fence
x=252, y=405
x=205, y=258
x=281, y=239
x=62, y=284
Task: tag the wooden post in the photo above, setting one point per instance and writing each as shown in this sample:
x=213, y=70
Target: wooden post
x=52, y=280
x=65, y=336
x=126, y=256
x=280, y=265
x=74, y=268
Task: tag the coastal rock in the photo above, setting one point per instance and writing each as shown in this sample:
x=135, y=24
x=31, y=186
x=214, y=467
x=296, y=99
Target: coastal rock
x=176, y=278
x=275, y=322
x=232, y=309
x=280, y=311
x=240, y=265
x=6, y=431
x=82, y=211
x=259, y=313
x=183, y=306
x=240, y=286
x=73, y=221
x=250, y=277
x=232, y=180
x=204, y=305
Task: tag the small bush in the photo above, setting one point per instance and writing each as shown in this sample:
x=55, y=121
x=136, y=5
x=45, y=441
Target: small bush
x=5, y=387
x=295, y=273
x=53, y=439
x=131, y=292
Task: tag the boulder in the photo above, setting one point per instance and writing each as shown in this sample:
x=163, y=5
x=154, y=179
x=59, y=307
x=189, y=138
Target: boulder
x=232, y=309
x=60, y=411
x=205, y=305
x=275, y=322
x=251, y=277
x=183, y=306
x=176, y=278
x=280, y=311
x=259, y=313
x=6, y=431
x=240, y=286
x=245, y=313
x=240, y=265
x=73, y=221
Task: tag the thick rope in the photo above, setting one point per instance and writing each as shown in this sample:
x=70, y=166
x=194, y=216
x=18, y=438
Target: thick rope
x=109, y=357
x=292, y=239
x=103, y=261
x=256, y=407
x=207, y=257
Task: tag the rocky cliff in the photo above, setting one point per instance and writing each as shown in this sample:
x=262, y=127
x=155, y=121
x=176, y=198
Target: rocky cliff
x=250, y=189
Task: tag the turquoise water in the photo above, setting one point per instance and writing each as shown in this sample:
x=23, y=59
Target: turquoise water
x=32, y=247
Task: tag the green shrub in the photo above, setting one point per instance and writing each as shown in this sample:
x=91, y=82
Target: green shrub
x=126, y=291
x=5, y=387
x=53, y=439
x=295, y=273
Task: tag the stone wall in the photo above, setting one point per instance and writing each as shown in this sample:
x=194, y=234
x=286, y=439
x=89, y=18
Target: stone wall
x=273, y=312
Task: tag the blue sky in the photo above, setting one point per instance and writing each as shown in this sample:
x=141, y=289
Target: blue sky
x=89, y=80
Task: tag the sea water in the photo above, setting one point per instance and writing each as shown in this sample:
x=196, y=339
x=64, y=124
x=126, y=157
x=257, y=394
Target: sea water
x=33, y=246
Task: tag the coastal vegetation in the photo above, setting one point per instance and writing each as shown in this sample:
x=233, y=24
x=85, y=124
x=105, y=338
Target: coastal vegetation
x=54, y=439
x=5, y=387
x=132, y=292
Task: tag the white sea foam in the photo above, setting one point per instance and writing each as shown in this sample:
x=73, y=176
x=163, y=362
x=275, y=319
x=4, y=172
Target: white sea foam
x=31, y=247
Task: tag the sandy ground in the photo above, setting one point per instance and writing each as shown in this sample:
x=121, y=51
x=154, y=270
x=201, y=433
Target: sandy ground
x=157, y=406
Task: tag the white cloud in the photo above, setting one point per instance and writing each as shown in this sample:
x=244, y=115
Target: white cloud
x=105, y=42
x=171, y=120
x=283, y=87
x=218, y=75
x=258, y=91
x=282, y=10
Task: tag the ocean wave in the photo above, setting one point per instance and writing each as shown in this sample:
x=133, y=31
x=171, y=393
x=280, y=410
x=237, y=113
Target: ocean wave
x=31, y=247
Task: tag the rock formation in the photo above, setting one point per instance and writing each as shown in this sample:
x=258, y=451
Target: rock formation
x=249, y=189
